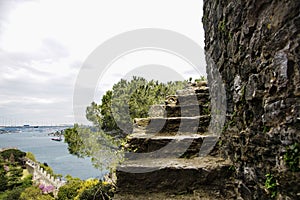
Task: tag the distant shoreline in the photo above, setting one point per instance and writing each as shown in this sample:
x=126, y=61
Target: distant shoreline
x=36, y=126
x=20, y=129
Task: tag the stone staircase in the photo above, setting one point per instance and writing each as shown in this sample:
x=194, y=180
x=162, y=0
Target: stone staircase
x=163, y=159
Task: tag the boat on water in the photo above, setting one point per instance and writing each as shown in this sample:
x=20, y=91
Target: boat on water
x=57, y=139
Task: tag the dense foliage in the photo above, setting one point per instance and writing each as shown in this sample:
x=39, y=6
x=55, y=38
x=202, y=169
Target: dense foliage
x=16, y=183
x=11, y=170
x=74, y=140
x=101, y=190
x=103, y=149
x=13, y=155
x=35, y=193
x=12, y=180
x=70, y=189
x=88, y=190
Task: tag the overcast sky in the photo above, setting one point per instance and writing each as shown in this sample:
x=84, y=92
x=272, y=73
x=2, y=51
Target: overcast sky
x=44, y=43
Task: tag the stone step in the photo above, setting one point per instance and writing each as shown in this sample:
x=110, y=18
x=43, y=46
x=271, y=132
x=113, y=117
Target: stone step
x=192, y=99
x=173, y=125
x=144, y=146
x=179, y=111
x=173, y=175
x=194, y=89
x=202, y=194
x=202, y=90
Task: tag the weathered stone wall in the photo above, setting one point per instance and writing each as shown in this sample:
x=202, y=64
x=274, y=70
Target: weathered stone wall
x=255, y=46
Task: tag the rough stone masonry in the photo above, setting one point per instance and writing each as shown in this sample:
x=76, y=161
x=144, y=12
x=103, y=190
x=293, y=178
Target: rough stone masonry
x=254, y=45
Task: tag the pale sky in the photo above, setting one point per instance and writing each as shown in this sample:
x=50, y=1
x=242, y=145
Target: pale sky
x=44, y=43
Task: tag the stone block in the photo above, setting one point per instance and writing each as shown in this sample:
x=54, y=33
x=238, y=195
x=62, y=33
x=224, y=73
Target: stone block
x=195, y=99
x=173, y=125
x=172, y=175
x=144, y=146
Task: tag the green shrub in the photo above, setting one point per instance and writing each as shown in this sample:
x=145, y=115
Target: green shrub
x=34, y=193
x=271, y=185
x=292, y=157
x=102, y=190
x=13, y=194
x=70, y=189
x=3, y=180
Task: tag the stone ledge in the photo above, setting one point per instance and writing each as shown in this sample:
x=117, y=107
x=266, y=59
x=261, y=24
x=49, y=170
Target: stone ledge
x=179, y=110
x=155, y=146
x=192, y=99
x=173, y=124
x=172, y=175
x=196, y=195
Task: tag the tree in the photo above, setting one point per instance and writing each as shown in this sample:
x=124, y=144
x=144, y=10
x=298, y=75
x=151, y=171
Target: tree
x=93, y=112
x=14, y=154
x=14, y=177
x=74, y=140
x=103, y=149
x=11, y=182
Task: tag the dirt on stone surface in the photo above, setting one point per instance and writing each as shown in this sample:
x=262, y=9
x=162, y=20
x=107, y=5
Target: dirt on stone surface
x=196, y=195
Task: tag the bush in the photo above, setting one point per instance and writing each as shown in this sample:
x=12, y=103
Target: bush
x=34, y=193
x=292, y=157
x=3, y=181
x=13, y=194
x=102, y=190
x=70, y=189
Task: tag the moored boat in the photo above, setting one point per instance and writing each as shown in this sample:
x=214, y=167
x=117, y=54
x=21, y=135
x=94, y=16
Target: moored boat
x=57, y=139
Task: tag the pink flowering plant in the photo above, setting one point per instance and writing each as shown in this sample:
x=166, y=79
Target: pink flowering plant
x=46, y=188
x=6, y=168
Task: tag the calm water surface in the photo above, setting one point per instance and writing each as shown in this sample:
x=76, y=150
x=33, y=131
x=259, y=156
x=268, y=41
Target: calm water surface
x=55, y=154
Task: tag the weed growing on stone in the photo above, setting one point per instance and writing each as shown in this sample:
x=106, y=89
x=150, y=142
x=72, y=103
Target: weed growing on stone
x=266, y=129
x=292, y=157
x=271, y=185
x=221, y=26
